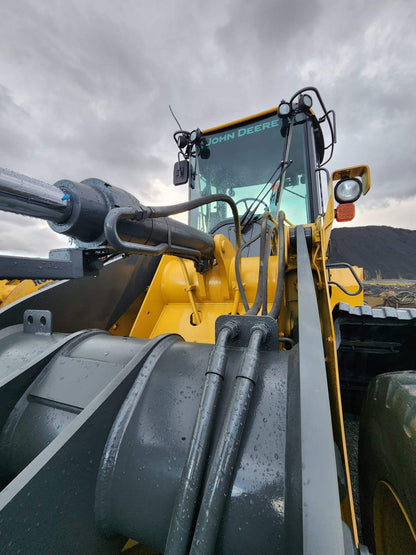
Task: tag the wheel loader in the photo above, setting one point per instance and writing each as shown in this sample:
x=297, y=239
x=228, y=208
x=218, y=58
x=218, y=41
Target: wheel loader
x=181, y=388
x=13, y=289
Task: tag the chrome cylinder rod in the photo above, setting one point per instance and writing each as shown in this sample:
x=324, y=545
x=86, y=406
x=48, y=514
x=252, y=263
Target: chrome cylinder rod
x=23, y=195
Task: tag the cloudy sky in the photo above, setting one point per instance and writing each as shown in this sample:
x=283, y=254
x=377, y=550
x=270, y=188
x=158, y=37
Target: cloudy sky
x=85, y=88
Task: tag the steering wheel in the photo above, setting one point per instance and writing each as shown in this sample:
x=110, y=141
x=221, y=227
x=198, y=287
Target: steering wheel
x=252, y=200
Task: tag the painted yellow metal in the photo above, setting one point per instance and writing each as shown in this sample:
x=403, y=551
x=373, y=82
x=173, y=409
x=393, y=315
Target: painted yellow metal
x=21, y=289
x=6, y=287
x=124, y=324
x=355, y=171
x=344, y=277
x=331, y=361
x=167, y=307
x=238, y=121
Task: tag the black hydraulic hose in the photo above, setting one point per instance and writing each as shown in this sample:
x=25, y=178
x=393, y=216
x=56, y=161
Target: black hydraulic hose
x=278, y=296
x=265, y=273
x=288, y=341
x=221, y=471
x=183, y=514
x=238, y=272
x=161, y=211
x=253, y=311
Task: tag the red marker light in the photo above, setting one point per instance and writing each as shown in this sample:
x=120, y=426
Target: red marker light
x=345, y=212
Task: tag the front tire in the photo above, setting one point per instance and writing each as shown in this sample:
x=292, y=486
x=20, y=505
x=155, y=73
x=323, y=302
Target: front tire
x=387, y=464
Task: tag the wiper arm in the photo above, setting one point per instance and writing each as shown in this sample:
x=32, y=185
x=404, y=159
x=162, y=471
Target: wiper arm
x=249, y=215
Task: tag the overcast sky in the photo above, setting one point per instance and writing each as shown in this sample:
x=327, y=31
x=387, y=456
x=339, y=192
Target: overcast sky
x=85, y=88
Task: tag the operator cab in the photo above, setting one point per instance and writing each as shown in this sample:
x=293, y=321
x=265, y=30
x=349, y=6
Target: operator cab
x=244, y=161
x=267, y=162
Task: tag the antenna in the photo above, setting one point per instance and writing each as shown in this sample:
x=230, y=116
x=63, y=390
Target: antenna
x=175, y=118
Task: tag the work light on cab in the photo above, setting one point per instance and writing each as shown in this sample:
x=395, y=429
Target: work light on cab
x=348, y=190
x=305, y=102
x=284, y=109
x=195, y=136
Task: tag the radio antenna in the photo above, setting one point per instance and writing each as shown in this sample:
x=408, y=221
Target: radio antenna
x=174, y=117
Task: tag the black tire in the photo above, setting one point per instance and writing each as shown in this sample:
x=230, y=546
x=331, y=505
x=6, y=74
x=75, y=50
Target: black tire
x=387, y=464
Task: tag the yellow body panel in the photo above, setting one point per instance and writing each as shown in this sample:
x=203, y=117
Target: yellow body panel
x=21, y=289
x=167, y=307
x=344, y=277
x=325, y=303
x=362, y=172
x=6, y=287
x=242, y=120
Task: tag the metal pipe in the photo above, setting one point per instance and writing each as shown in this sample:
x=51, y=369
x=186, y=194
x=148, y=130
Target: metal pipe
x=238, y=271
x=163, y=211
x=278, y=296
x=189, y=289
x=222, y=467
x=258, y=301
x=183, y=513
x=164, y=235
x=23, y=195
x=266, y=271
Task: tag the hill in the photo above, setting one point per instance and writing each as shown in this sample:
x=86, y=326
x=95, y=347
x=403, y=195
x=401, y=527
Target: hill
x=384, y=252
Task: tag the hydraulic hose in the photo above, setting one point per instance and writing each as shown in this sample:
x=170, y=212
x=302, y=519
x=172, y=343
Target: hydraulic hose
x=161, y=211
x=183, y=514
x=265, y=273
x=221, y=471
x=278, y=296
x=258, y=301
x=238, y=271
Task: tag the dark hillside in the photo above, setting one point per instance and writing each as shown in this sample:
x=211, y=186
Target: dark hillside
x=384, y=252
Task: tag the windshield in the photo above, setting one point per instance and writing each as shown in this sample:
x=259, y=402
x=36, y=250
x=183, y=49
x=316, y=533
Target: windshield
x=243, y=162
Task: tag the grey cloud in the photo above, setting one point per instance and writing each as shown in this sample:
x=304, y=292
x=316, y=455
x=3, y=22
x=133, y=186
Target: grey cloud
x=28, y=237
x=85, y=87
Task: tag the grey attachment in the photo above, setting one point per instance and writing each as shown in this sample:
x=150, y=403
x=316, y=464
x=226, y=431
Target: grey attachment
x=317, y=445
x=245, y=325
x=37, y=321
x=61, y=264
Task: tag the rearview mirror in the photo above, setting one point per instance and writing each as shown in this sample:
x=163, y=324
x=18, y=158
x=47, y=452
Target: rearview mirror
x=181, y=172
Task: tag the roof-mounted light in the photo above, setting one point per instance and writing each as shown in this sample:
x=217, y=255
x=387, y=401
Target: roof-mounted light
x=348, y=189
x=284, y=109
x=305, y=102
x=195, y=136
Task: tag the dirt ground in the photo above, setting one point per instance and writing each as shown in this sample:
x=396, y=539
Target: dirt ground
x=399, y=293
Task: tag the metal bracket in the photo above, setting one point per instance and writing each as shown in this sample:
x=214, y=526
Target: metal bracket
x=246, y=325
x=308, y=236
x=61, y=264
x=351, y=269
x=37, y=321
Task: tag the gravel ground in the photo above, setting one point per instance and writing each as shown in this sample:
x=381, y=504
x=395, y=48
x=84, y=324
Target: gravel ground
x=395, y=293
x=352, y=425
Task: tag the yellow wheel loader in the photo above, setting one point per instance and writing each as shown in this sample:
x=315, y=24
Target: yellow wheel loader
x=181, y=388
x=13, y=289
